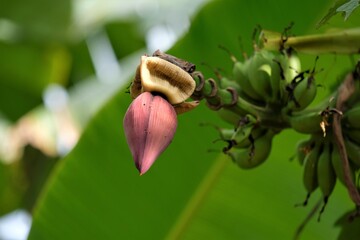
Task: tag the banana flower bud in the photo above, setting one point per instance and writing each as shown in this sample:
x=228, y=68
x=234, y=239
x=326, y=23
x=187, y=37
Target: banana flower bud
x=150, y=124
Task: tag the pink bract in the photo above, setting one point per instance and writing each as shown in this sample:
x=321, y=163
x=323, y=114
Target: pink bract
x=150, y=124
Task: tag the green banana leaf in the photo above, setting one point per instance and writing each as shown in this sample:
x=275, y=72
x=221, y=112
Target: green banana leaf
x=190, y=192
x=32, y=54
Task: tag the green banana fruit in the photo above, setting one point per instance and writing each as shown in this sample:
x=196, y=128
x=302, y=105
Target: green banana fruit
x=353, y=152
x=325, y=172
x=352, y=117
x=259, y=72
x=241, y=142
x=310, y=178
x=290, y=67
x=241, y=156
x=277, y=93
x=225, y=133
x=240, y=138
x=253, y=156
x=303, y=93
x=337, y=165
x=242, y=133
x=306, y=121
x=240, y=73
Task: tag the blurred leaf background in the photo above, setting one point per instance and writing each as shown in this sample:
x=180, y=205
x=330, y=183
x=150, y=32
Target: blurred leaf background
x=64, y=69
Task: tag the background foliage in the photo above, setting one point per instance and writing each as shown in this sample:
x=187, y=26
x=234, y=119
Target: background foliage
x=95, y=192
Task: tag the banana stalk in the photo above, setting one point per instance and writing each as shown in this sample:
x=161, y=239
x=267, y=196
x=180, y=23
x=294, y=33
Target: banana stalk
x=339, y=42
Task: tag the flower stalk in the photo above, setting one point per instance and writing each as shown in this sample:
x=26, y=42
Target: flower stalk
x=340, y=42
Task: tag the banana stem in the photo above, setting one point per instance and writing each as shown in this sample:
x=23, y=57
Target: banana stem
x=340, y=42
x=345, y=91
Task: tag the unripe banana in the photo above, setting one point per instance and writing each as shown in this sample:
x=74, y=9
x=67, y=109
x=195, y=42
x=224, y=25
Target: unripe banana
x=290, y=68
x=241, y=157
x=353, y=152
x=240, y=72
x=277, y=93
x=251, y=157
x=325, y=172
x=293, y=66
x=225, y=133
x=240, y=138
x=303, y=94
x=241, y=135
x=310, y=179
x=352, y=117
x=306, y=121
x=338, y=165
x=259, y=72
x=242, y=142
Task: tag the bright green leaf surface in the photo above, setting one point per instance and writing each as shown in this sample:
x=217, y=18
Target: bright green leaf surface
x=33, y=56
x=96, y=192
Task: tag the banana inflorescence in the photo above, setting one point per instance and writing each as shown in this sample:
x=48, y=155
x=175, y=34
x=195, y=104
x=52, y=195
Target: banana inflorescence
x=269, y=92
x=266, y=93
x=268, y=87
x=323, y=165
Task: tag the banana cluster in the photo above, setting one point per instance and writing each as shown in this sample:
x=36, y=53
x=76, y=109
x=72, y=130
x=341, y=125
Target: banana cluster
x=263, y=78
x=249, y=145
x=351, y=126
x=270, y=88
x=322, y=164
x=272, y=94
x=273, y=79
x=270, y=91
